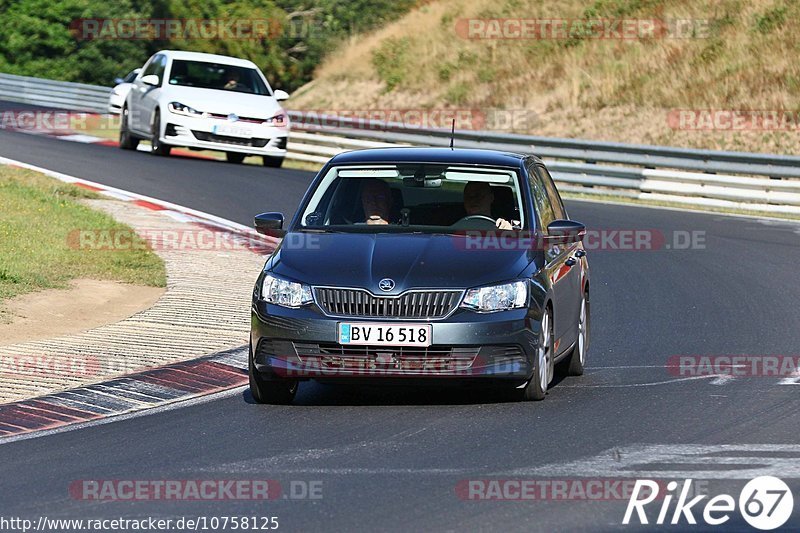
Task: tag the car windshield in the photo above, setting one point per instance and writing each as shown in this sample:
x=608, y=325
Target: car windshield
x=419, y=197
x=131, y=76
x=217, y=76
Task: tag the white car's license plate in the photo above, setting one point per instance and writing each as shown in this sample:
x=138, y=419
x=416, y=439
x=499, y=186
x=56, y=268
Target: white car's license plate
x=232, y=131
x=385, y=334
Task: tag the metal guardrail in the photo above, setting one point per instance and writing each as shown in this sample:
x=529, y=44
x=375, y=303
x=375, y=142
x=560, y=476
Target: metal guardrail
x=711, y=178
x=50, y=93
x=748, y=181
x=588, y=151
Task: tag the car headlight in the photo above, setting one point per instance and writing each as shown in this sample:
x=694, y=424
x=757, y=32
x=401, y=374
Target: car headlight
x=278, y=120
x=181, y=109
x=285, y=293
x=497, y=297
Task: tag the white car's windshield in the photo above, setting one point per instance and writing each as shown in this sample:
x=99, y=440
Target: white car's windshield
x=218, y=76
x=416, y=197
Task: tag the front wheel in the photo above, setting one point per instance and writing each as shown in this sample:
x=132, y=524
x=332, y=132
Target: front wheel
x=536, y=388
x=271, y=161
x=156, y=146
x=275, y=392
x=234, y=157
x=577, y=359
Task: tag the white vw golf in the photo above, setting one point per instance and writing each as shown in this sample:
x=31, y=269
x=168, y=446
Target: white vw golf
x=205, y=102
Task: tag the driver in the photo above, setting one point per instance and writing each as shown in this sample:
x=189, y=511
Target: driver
x=376, y=199
x=478, y=198
x=233, y=81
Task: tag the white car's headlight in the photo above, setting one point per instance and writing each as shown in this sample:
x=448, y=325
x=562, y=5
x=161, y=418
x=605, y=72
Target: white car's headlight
x=281, y=119
x=181, y=109
x=285, y=293
x=497, y=297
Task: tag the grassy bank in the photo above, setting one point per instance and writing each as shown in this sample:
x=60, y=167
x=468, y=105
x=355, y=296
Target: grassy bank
x=37, y=215
x=743, y=57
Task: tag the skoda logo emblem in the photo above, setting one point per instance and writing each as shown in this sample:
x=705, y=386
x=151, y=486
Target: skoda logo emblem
x=386, y=284
x=232, y=117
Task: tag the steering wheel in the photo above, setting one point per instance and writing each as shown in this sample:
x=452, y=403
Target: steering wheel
x=476, y=222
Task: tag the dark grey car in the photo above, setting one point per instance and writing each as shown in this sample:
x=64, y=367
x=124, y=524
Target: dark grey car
x=422, y=265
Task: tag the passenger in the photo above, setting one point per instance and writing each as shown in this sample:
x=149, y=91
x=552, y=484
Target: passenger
x=376, y=199
x=478, y=198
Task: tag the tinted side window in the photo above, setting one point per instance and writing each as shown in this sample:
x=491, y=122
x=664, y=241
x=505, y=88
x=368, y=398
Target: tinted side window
x=552, y=193
x=544, y=211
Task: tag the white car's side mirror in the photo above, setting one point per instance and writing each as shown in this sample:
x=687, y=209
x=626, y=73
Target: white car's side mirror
x=280, y=95
x=151, y=79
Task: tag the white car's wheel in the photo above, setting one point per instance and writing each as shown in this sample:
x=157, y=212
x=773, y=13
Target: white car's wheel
x=156, y=146
x=126, y=140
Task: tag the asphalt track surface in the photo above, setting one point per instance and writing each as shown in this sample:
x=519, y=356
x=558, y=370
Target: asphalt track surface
x=391, y=459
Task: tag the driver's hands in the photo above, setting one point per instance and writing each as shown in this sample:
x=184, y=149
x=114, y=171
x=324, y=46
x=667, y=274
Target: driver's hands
x=503, y=224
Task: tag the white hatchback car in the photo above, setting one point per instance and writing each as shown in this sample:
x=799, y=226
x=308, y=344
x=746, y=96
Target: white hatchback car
x=205, y=102
x=122, y=86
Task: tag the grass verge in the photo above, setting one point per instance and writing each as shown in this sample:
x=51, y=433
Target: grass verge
x=37, y=216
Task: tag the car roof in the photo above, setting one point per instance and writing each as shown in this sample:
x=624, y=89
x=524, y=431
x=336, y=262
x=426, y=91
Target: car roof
x=199, y=56
x=412, y=154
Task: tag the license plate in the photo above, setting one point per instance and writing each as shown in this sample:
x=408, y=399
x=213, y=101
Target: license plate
x=232, y=131
x=385, y=334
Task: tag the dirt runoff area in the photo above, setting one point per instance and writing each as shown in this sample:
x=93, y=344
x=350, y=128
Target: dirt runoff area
x=86, y=304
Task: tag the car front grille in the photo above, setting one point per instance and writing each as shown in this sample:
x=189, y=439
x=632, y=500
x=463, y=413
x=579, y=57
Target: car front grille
x=362, y=303
x=406, y=358
x=252, y=120
x=225, y=139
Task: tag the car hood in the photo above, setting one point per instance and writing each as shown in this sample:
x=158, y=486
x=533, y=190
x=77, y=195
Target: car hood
x=411, y=261
x=223, y=102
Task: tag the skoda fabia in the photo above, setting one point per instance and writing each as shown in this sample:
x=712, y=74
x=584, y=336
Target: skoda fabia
x=424, y=265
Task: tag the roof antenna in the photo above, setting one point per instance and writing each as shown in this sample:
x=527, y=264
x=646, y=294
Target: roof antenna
x=452, y=133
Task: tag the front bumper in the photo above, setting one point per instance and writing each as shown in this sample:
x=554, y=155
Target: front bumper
x=303, y=344
x=199, y=133
x=115, y=103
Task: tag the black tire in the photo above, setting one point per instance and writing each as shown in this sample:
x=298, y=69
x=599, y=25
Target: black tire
x=156, y=146
x=274, y=392
x=126, y=140
x=577, y=359
x=234, y=157
x=536, y=388
x=271, y=161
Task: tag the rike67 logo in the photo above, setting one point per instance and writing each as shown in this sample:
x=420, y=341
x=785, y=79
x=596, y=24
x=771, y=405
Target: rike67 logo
x=765, y=503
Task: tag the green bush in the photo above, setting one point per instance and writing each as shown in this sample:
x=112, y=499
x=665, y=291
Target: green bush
x=36, y=37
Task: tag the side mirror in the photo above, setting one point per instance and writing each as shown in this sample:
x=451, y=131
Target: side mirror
x=565, y=231
x=280, y=95
x=151, y=79
x=270, y=224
